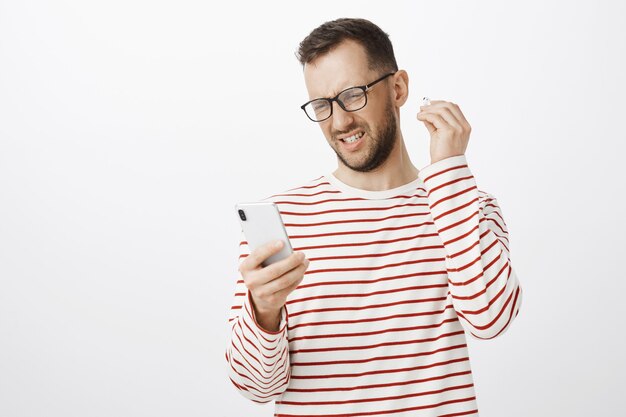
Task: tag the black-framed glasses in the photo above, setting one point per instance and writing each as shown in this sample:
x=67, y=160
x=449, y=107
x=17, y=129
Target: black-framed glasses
x=350, y=99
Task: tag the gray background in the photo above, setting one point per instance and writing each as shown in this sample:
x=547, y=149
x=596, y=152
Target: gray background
x=129, y=129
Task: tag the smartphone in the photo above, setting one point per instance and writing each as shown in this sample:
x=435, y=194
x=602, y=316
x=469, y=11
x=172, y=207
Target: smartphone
x=261, y=223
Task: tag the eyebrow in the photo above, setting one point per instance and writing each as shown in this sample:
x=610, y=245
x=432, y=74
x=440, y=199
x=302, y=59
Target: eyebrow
x=336, y=92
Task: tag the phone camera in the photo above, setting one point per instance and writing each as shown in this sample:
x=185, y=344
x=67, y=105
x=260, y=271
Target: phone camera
x=242, y=214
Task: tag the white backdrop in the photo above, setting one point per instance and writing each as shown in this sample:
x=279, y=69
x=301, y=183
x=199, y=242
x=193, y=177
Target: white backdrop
x=129, y=129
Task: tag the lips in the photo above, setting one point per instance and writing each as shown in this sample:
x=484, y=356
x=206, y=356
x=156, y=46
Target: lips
x=353, y=142
x=352, y=138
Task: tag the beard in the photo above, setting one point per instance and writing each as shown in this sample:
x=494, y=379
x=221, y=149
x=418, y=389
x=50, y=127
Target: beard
x=382, y=143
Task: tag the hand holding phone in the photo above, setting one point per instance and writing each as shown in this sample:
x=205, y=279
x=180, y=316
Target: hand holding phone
x=272, y=270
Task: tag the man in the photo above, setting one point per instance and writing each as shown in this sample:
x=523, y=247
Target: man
x=391, y=264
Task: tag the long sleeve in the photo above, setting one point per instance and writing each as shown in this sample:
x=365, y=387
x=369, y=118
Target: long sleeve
x=483, y=286
x=258, y=360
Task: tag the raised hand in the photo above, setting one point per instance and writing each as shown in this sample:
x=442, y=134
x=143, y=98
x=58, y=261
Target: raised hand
x=448, y=128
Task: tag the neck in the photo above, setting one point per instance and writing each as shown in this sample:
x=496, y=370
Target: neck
x=396, y=171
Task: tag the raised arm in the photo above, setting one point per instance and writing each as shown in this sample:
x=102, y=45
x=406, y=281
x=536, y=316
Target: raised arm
x=483, y=286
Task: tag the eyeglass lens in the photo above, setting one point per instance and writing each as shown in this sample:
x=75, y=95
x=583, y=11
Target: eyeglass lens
x=352, y=99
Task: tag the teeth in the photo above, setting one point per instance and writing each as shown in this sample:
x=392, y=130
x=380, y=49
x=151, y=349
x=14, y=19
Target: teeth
x=353, y=138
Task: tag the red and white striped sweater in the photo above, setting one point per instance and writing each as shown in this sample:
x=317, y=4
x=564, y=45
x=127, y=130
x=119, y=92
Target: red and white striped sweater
x=396, y=277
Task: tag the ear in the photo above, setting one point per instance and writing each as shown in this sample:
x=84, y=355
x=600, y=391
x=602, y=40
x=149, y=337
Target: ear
x=400, y=88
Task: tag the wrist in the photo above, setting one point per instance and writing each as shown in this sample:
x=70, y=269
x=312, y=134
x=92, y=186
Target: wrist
x=267, y=319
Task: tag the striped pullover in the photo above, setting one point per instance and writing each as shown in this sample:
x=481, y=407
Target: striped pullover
x=396, y=279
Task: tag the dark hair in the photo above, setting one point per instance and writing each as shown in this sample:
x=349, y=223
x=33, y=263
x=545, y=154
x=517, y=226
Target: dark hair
x=330, y=34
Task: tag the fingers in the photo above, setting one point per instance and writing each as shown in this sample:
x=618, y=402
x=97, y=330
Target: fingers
x=450, y=112
x=261, y=276
x=275, y=270
x=441, y=117
x=256, y=258
x=431, y=127
x=437, y=121
x=288, y=281
x=455, y=109
x=272, y=295
x=284, y=293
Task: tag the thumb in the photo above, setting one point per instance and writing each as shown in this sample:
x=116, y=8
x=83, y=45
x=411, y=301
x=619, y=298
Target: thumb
x=431, y=127
x=422, y=118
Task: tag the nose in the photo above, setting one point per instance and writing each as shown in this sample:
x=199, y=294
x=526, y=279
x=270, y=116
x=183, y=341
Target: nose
x=341, y=118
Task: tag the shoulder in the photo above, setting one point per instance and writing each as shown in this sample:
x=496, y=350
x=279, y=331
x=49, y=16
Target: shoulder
x=314, y=189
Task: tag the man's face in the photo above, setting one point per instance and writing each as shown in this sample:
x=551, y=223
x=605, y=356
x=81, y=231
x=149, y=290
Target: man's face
x=375, y=125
